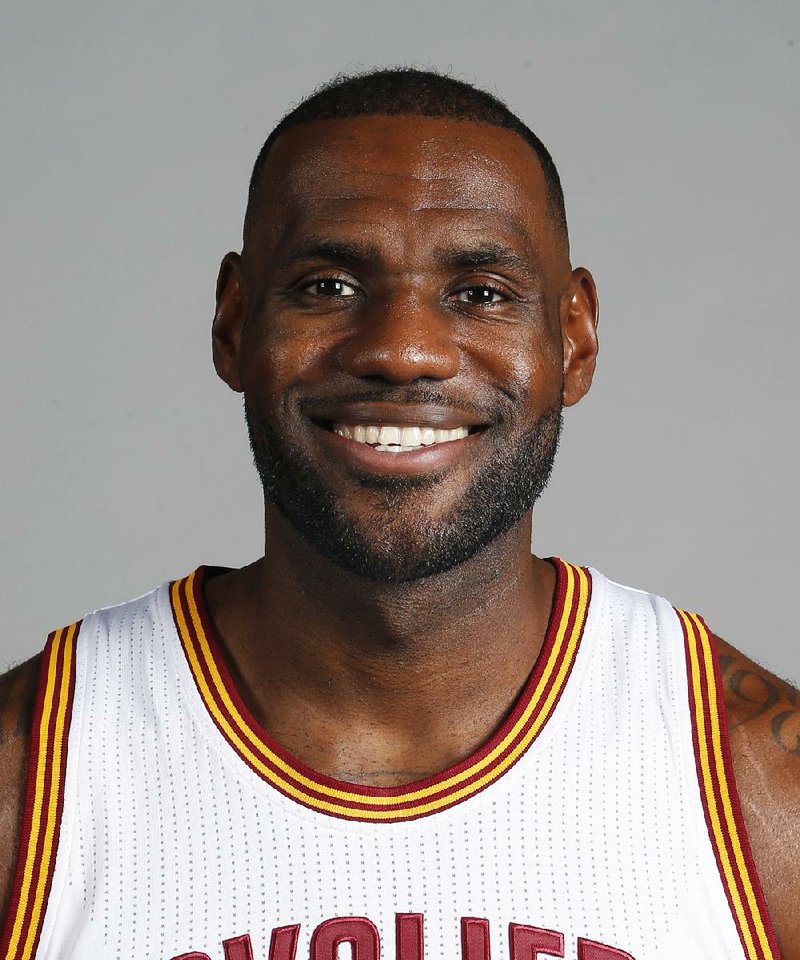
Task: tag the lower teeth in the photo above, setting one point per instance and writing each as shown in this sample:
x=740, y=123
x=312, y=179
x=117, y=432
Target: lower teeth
x=390, y=448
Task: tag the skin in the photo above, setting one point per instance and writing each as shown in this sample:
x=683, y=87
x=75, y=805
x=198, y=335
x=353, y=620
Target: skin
x=436, y=662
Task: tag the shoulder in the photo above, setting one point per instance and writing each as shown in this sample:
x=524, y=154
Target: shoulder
x=17, y=698
x=763, y=715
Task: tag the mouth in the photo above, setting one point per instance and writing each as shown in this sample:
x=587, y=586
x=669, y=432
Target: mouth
x=397, y=448
x=399, y=437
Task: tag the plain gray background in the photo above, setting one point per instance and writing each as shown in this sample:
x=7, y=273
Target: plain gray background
x=129, y=131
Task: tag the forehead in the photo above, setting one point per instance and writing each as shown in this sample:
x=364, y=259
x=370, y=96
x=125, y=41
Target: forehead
x=404, y=173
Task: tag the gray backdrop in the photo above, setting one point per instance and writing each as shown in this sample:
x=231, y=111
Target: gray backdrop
x=129, y=131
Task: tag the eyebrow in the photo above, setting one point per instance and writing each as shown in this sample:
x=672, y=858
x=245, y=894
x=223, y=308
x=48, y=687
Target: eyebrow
x=324, y=248
x=454, y=257
x=489, y=255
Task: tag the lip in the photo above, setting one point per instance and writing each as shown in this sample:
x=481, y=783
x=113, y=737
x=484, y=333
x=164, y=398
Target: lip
x=426, y=460
x=412, y=415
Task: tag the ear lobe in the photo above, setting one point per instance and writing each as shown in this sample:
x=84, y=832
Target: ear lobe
x=226, y=329
x=579, y=316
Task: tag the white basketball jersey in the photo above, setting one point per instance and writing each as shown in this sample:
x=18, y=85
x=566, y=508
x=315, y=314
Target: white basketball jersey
x=600, y=822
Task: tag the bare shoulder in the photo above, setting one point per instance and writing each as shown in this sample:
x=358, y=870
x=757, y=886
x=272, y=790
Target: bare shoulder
x=17, y=699
x=764, y=730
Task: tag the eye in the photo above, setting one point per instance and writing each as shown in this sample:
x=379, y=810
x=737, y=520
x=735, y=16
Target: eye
x=330, y=287
x=480, y=295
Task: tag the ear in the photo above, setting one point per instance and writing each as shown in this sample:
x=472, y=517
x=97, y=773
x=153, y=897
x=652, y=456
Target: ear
x=579, y=315
x=226, y=330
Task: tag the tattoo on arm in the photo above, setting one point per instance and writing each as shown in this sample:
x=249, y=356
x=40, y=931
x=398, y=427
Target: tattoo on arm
x=785, y=726
x=764, y=695
x=725, y=662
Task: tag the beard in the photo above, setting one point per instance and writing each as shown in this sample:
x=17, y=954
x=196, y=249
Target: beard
x=399, y=542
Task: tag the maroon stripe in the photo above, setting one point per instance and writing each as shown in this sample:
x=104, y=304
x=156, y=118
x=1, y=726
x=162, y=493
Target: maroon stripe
x=689, y=643
x=30, y=794
x=537, y=711
x=703, y=684
x=576, y=611
x=46, y=790
x=183, y=600
x=34, y=755
x=522, y=702
x=717, y=793
x=727, y=764
x=572, y=618
x=61, y=774
x=219, y=661
x=323, y=784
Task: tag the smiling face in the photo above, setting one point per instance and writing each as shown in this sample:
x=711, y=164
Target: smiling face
x=404, y=324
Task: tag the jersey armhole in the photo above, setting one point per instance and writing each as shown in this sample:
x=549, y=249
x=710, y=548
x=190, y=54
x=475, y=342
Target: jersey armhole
x=44, y=797
x=720, y=798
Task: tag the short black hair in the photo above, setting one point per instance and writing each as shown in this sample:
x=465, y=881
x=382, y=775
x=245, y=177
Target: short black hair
x=406, y=91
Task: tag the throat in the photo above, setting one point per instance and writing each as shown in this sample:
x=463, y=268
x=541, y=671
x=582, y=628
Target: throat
x=388, y=688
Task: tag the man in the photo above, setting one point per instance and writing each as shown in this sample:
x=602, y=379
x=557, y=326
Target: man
x=398, y=730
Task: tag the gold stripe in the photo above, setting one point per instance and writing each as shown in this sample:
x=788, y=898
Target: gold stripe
x=382, y=801
x=33, y=836
x=288, y=769
x=718, y=836
x=719, y=762
x=55, y=775
x=541, y=717
x=710, y=799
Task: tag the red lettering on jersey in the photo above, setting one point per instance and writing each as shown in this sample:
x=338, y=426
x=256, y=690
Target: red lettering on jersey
x=408, y=928
x=238, y=948
x=528, y=942
x=590, y=950
x=474, y=939
x=358, y=931
x=525, y=942
x=283, y=943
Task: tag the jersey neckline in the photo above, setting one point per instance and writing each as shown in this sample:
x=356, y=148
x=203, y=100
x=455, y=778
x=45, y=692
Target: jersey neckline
x=203, y=650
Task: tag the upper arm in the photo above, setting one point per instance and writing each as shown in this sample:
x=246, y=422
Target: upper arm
x=17, y=698
x=764, y=732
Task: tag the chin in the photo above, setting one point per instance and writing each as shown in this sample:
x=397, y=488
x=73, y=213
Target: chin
x=403, y=529
x=407, y=549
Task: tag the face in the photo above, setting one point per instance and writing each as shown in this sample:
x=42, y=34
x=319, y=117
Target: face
x=405, y=326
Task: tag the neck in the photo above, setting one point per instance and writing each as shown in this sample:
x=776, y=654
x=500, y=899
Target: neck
x=438, y=661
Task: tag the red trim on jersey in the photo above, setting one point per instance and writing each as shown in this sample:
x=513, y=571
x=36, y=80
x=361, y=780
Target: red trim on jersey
x=205, y=654
x=727, y=761
x=44, y=796
x=739, y=880
x=714, y=766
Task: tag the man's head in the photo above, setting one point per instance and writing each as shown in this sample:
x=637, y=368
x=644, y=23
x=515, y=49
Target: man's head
x=405, y=268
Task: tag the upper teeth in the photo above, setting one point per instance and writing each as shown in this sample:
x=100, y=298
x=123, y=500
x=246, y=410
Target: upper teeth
x=397, y=439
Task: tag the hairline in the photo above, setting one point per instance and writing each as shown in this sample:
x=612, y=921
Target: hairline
x=555, y=199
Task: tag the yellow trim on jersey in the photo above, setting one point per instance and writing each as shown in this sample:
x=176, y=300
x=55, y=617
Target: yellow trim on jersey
x=29, y=903
x=715, y=779
x=368, y=806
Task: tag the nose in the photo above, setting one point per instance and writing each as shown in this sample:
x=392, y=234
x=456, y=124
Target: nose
x=402, y=339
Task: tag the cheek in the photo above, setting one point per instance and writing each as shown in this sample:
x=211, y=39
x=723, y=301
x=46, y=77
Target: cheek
x=276, y=356
x=526, y=364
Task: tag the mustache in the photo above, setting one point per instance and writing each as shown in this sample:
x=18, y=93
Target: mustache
x=489, y=408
